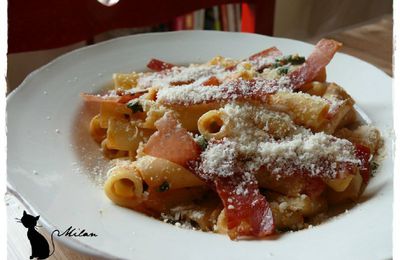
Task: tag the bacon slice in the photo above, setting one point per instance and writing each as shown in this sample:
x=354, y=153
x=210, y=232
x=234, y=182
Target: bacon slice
x=265, y=58
x=270, y=52
x=121, y=97
x=247, y=211
x=172, y=142
x=159, y=65
x=319, y=58
x=260, y=59
x=98, y=98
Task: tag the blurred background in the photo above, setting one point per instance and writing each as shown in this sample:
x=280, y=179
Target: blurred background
x=40, y=31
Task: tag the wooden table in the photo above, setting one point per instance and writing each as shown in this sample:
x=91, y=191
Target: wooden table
x=371, y=42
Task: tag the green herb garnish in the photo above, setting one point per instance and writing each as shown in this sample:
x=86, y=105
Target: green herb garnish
x=202, y=142
x=163, y=187
x=296, y=59
x=374, y=167
x=135, y=106
x=290, y=59
x=283, y=70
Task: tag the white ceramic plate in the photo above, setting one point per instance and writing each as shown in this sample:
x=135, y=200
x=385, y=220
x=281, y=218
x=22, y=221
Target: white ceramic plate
x=48, y=143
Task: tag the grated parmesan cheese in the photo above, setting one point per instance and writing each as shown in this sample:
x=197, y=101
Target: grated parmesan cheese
x=316, y=154
x=232, y=90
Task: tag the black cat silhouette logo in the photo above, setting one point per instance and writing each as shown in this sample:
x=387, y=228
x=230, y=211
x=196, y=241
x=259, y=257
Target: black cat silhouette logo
x=39, y=245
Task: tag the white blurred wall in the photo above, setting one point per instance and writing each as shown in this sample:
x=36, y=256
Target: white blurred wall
x=304, y=19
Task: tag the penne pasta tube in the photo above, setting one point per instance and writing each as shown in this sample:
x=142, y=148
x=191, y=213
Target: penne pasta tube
x=351, y=193
x=214, y=124
x=125, y=135
x=112, y=110
x=366, y=135
x=336, y=92
x=349, y=119
x=164, y=201
x=125, y=80
x=124, y=186
x=164, y=175
x=122, y=135
x=284, y=218
x=222, y=223
x=337, y=116
x=188, y=116
x=316, y=88
x=340, y=184
x=111, y=153
x=304, y=109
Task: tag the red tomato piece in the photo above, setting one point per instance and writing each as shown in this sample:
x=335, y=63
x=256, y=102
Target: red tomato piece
x=158, y=65
x=212, y=81
x=363, y=153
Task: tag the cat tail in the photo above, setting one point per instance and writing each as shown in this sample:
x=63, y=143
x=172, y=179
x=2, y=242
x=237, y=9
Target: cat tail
x=52, y=240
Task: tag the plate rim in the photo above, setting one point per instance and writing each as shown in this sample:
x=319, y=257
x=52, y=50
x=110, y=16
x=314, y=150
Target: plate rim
x=74, y=243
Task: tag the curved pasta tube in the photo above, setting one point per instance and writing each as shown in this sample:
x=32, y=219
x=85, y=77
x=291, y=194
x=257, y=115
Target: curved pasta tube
x=165, y=175
x=222, y=223
x=351, y=192
x=96, y=131
x=214, y=124
x=112, y=153
x=124, y=186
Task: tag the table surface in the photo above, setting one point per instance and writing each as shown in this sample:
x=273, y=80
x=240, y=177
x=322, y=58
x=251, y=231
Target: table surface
x=371, y=42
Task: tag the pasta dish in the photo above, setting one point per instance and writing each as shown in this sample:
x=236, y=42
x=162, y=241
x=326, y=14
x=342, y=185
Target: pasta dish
x=247, y=148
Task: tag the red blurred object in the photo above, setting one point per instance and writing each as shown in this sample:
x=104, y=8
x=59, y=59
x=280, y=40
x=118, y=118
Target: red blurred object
x=248, y=19
x=45, y=24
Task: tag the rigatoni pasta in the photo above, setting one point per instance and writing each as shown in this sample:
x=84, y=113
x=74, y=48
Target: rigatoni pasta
x=247, y=148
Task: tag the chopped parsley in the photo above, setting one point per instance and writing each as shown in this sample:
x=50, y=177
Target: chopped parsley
x=296, y=59
x=283, y=70
x=374, y=167
x=163, y=187
x=289, y=59
x=135, y=106
x=202, y=142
